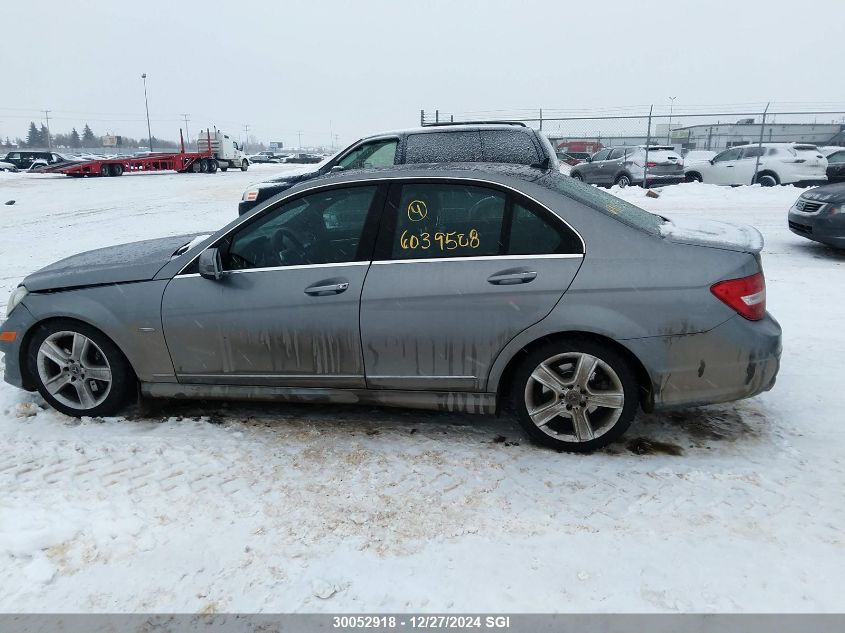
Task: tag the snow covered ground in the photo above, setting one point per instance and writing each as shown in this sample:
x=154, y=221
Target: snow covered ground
x=231, y=507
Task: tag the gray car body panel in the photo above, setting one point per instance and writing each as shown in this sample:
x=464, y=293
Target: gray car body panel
x=647, y=292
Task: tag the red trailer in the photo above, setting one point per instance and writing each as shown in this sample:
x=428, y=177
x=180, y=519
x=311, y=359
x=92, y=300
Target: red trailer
x=181, y=161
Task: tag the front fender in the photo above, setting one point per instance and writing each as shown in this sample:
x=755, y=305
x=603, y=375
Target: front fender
x=129, y=314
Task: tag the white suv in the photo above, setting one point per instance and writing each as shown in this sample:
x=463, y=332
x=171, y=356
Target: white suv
x=780, y=164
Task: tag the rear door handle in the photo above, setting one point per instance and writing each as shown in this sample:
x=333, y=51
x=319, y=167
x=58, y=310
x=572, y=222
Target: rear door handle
x=327, y=289
x=511, y=277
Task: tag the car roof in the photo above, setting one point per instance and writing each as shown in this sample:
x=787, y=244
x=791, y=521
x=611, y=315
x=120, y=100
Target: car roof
x=462, y=127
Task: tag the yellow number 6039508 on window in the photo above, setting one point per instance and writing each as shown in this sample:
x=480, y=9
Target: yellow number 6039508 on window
x=446, y=241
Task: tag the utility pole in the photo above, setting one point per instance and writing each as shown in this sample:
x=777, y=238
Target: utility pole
x=49, y=140
x=187, y=133
x=147, y=106
x=299, y=133
x=669, y=132
x=246, y=135
x=331, y=135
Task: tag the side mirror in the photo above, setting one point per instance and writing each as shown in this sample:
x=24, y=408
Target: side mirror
x=336, y=169
x=589, y=159
x=210, y=264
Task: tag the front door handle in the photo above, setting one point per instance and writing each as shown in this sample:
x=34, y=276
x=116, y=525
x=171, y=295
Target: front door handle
x=327, y=289
x=512, y=276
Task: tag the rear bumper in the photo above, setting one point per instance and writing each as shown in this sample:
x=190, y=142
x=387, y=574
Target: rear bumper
x=664, y=180
x=828, y=230
x=738, y=359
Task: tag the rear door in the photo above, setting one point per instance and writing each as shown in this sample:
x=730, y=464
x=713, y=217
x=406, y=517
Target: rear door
x=744, y=170
x=461, y=267
x=594, y=171
x=614, y=163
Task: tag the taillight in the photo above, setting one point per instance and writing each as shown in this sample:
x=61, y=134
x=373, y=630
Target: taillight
x=746, y=295
x=651, y=164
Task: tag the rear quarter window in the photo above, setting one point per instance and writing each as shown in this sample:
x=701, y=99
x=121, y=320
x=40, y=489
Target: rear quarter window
x=443, y=147
x=505, y=146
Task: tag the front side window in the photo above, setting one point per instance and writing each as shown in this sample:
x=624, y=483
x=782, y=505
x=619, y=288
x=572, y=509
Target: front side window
x=506, y=146
x=731, y=154
x=443, y=147
x=376, y=154
x=601, y=155
x=321, y=228
x=836, y=157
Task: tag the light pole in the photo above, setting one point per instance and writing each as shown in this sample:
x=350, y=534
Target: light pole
x=147, y=105
x=671, y=108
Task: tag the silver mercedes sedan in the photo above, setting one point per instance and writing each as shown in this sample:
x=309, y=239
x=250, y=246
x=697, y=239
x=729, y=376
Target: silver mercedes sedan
x=467, y=287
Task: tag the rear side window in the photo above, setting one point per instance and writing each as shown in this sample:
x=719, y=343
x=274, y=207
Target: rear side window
x=619, y=152
x=753, y=152
x=505, y=146
x=446, y=220
x=443, y=147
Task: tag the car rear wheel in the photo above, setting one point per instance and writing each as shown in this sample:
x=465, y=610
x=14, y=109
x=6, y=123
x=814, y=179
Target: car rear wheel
x=692, y=177
x=78, y=370
x=767, y=179
x=623, y=180
x=575, y=395
x=577, y=176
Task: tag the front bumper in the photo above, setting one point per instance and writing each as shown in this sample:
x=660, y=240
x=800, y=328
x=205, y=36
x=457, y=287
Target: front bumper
x=19, y=322
x=825, y=229
x=735, y=360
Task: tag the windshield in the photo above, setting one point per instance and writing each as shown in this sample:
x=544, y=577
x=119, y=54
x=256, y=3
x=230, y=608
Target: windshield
x=604, y=202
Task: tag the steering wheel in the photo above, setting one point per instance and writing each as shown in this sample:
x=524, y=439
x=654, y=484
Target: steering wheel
x=284, y=241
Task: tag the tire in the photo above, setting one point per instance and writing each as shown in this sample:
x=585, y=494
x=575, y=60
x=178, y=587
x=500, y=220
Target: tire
x=244, y=165
x=767, y=179
x=577, y=176
x=117, y=170
x=196, y=167
x=224, y=167
x=204, y=165
x=212, y=166
x=623, y=180
x=693, y=176
x=566, y=395
x=105, y=170
x=58, y=353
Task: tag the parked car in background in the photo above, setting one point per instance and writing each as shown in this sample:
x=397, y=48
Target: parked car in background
x=264, y=157
x=836, y=165
x=443, y=143
x=4, y=166
x=819, y=215
x=625, y=166
x=435, y=287
x=779, y=164
x=24, y=159
x=303, y=158
x=573, y=158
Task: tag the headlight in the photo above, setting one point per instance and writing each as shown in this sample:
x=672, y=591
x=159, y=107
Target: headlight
x=250, y=195
x=16, y=297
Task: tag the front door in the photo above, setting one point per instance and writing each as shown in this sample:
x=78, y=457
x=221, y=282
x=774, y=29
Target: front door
x=460, y=269
x=285, y=312
x=722, y=171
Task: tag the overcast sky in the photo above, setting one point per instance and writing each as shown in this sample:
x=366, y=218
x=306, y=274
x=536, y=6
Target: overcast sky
x=361, y=67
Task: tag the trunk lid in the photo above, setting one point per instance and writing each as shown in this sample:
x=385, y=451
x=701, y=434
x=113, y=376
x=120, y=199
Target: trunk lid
x=741, y=238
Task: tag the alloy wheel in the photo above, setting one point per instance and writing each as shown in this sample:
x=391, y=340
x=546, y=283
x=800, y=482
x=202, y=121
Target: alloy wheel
x=574, y=397
x=74, y=370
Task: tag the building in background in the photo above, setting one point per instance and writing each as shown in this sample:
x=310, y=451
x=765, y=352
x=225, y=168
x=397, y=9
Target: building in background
x=718, y=136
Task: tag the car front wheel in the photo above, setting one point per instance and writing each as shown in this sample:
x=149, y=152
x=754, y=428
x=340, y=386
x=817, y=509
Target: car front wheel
x=577, y=176
x=78, y=370
x=575, y=396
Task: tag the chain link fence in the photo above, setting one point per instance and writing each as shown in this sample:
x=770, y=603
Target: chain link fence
x=577, y=134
